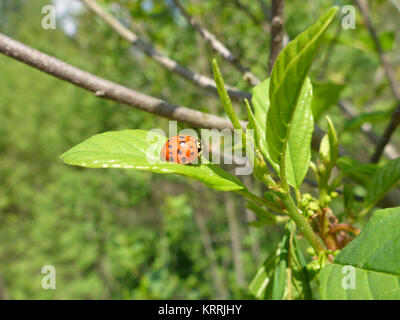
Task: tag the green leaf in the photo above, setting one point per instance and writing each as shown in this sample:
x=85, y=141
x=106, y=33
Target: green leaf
x=326, y=95
x=348, y=198
x=260, y=103
x=265, y=217
x=140, y=150
x=279, y=282
x=383, y=180
x=329, y=148
x=375, y=255
x=260, y=286
x=298, y=154
x=224, y=97
x=287, y=79
x=300, y=138
x=301, y=277
x=386, y=39
x=271, y=280
x=359, y=172
x=358, y=121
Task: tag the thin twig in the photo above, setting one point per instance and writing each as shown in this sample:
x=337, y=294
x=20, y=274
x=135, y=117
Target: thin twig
x=391, y=76
x=277, y=31
x=218, y=46
x=171, y=65
x=107, y=89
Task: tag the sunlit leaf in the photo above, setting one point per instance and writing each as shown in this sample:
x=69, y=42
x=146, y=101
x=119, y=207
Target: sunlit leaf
x=140, y=150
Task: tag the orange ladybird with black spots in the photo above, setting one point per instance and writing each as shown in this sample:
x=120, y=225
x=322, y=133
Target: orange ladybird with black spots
x=183, y=149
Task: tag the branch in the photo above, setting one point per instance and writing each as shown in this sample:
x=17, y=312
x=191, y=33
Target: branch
x=218, y=46
x=391, y=76
x=200, y=80
x=107, y=89
x=277, y=31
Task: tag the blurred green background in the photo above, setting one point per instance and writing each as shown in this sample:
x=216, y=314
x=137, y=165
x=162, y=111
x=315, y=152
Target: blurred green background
x=122, y=234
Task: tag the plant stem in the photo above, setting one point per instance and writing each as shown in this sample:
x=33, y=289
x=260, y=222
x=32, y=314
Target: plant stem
x=301, y=222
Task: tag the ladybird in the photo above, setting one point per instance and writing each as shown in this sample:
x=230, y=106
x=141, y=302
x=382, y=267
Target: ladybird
x=182, y=149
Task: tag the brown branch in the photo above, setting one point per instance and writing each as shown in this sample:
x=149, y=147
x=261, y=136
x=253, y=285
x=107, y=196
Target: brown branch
x=218, y=46
x=277, y=31
x=198, y=79
x=344, y=227
x=107, y=89
x=391, y=76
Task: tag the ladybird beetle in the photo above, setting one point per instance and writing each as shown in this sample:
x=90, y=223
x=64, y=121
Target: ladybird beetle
x=182, y=149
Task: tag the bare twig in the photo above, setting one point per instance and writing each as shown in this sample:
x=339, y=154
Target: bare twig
x=391, y=76
x=198, y=79
x=107, y=89
x=218, y=46
x=277, y=31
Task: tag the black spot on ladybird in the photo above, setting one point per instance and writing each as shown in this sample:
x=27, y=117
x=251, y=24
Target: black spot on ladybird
x=183, y=159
